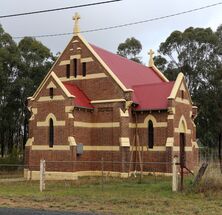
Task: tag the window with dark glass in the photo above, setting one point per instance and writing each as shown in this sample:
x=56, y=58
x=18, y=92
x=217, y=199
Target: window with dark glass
x=67, y=70
x=75, y=67
x=84, y=69
x=51, y=92
x=51, y=133
x=150, y=134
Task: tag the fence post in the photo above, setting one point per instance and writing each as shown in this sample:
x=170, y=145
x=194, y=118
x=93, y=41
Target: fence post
x=42, y=175
x=175, y=176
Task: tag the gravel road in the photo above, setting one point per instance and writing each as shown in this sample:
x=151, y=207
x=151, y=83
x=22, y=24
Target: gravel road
x=16, y=211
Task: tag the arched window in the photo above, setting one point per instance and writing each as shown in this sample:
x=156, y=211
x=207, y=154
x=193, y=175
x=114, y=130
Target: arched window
x=51, y=133
x=150, y=135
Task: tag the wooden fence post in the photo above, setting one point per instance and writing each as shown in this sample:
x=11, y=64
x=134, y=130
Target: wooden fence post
x=175, y=176
x=42, y=175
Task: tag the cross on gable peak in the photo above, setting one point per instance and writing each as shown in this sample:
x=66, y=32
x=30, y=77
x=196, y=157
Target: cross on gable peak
x=151, y=54
x=76, y=19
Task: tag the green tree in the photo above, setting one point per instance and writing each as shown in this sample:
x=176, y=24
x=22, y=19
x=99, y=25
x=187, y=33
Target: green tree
x=36, y=60
x=22, y=68
x=130, y=49
x=196, y=53
x=219, y=35
x=9, y=58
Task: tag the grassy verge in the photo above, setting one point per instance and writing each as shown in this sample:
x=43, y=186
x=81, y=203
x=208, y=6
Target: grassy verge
x=152, y=196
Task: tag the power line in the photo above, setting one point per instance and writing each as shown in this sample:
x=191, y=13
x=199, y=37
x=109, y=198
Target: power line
x=129, y=24
x=58, y=9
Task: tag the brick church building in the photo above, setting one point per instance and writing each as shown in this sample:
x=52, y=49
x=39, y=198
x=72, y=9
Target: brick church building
x=95, y=105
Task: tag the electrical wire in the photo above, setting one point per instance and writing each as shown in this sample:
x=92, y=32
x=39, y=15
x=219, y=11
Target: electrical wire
x=58, y=9
x=128, y=24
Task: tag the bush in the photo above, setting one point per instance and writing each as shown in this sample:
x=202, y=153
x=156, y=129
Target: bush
x=211, y=181
x=11, y=162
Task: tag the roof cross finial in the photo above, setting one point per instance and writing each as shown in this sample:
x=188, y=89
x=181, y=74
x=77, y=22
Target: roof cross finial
x=151, y=54
x=76, y=18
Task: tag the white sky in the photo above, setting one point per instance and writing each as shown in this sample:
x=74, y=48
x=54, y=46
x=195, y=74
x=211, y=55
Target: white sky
x=150, y=34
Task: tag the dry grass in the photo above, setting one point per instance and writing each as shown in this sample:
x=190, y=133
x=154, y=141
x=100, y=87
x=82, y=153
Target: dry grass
x=211, y=181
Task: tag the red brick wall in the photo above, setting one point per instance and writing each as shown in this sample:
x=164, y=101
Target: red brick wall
x=41, y=134
x=155, y=161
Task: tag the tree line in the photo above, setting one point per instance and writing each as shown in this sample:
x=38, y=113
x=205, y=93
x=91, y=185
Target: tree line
x=197, y=52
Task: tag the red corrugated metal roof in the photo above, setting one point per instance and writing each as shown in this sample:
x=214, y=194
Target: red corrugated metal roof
x=129, y=72
x=81, y=100
x=150, y=91
x=152, y=96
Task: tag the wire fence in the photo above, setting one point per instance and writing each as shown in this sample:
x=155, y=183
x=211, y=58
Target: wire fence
x=101, y=171
x=207, y=154
x=92, y=166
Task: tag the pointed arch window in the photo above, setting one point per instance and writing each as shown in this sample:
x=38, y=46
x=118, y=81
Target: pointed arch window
x=150, y=135
x=51, y=133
